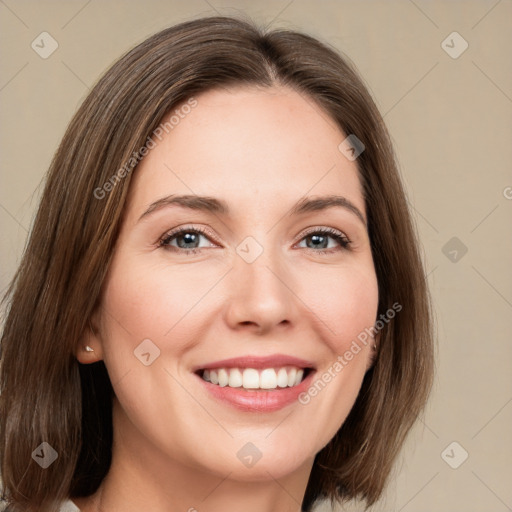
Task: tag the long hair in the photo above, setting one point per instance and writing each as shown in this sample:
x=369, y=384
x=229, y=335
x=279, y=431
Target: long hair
x=47, y=396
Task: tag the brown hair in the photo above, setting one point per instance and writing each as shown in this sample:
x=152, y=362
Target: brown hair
x=46, y=395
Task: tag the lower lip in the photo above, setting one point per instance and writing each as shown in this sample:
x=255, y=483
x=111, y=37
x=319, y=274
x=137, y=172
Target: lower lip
x=257, y=400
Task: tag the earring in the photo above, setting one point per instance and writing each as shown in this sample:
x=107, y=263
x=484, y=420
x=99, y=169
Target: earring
x=89, y=349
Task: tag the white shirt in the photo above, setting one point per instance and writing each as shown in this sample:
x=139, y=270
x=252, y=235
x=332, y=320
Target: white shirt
x=66, y=506
x=69, y=506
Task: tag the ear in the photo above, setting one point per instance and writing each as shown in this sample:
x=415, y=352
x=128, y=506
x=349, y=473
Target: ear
x=374, y=347
x=89, y=349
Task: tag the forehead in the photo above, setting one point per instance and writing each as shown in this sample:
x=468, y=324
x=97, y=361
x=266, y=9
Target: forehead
x=248, y=145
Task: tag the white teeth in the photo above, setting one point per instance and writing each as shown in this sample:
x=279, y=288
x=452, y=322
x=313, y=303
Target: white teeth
x=282, y=378
x=250, y=378
x=268, y=379
x=223, y=377
x=235, y=378
x=291, y=377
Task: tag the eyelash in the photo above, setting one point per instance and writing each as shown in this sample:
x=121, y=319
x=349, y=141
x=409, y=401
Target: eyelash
x=343, y=240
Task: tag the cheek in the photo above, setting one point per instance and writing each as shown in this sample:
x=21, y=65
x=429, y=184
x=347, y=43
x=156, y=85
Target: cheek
x=346, y=303
x=158, y=302
x=150, y=301
x=345, y=300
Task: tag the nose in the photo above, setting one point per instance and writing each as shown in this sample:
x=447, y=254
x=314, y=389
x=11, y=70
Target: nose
x=260, y=295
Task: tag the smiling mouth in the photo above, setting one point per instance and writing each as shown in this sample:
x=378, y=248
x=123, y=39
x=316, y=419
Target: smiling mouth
x=255, y=379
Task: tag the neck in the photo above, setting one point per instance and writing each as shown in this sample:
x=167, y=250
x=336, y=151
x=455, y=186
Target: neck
x=145, y=479
x=130, y=490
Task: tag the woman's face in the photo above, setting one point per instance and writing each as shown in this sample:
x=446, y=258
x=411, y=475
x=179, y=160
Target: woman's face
x=259, y=287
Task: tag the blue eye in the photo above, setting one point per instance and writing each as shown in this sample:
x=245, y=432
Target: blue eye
x=186, y=240
x=319, y=240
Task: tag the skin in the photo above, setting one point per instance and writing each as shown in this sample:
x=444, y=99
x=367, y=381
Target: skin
x=175, y=446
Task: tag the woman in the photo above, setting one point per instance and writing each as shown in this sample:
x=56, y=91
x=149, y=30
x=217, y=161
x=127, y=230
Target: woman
x=222, y=302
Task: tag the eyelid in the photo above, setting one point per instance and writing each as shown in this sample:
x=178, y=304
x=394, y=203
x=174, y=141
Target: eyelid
x=206, y=232
x=314, y=229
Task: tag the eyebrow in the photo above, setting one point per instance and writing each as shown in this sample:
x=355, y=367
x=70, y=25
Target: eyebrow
x=218, y=206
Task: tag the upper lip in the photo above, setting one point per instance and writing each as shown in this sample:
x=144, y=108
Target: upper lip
x=257, y=362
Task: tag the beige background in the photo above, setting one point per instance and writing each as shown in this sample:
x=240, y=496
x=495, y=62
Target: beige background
x=451, y=122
